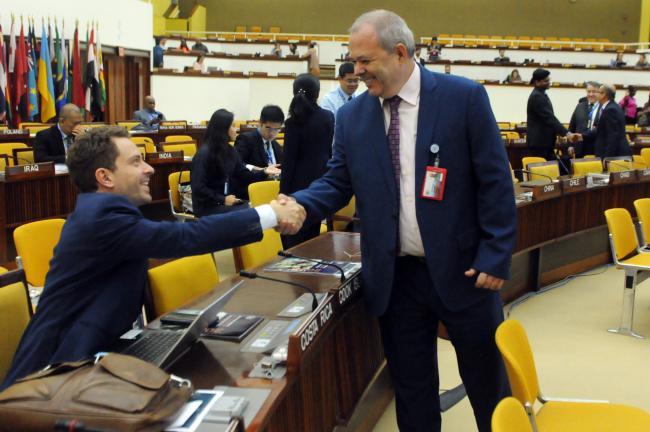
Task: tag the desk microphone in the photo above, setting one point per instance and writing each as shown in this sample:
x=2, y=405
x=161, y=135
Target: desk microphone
x=74, y=426
x=252, y=275
x=551, y=179
x=566, y=170
x=327, y=263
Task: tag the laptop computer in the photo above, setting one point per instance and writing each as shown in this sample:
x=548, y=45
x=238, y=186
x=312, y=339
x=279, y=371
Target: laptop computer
x=163, y=347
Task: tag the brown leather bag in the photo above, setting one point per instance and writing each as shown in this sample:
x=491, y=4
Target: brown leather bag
x=115, y=393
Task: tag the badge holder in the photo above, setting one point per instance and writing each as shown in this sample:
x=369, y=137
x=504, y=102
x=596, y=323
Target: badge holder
x=433, y=186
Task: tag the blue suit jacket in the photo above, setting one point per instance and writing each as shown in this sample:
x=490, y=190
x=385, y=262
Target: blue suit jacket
x=475, y=224
x=94, y=289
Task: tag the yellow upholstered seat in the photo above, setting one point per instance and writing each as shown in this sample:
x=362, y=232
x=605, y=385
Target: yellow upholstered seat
x=510, y=135
x=342, y=218
x=582, y=167
x=177, y=138
x=150, y=147
x=528, y=160
x=639, y=162
x=16, y=310
x=128, y=124
x=177, y=282
x=263, y=192
x=188, y=149
x=173, y=180
x=35, y=242
x=23, y=156
x=642, y=207
x=7, y=148
x=617, y=164
x=544, y=169
x=510, y=416
x=645, y=154
x=558, y=415
x=254, y=254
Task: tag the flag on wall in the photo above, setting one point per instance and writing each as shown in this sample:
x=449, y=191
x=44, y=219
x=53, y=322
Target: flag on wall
x=3, y=79
x=102, y=82
x=76, y=86
x=19, y=104
x=92, y=81
x=11, y=61
x=32, y=91
x=59, y=82
x=32, y=42
x=45, y=84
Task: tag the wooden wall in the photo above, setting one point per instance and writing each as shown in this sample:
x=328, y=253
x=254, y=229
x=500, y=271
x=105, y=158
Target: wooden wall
x=618, y=20
x=127, y=82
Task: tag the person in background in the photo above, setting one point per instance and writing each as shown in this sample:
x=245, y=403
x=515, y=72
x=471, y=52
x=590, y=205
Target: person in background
x=618, y=61
x=200, y=46
x=643, y=62
x=447, y=69
x=418, y=57
x=95, y=285
x=159, y=53
x=644, y=115
x=183, y=47
x=583, y=119
x=258, y=148
x=52, y=145
x=199, y=64
x=609, y=134
x=308, y=137
x=277, y=49
x=312, y=55
x=513, y=77
x=434, y=50
x=216, y=165
x=293, y=48
x=628, y=103
x=345, y=92
x=148, y=117
x=502, y=57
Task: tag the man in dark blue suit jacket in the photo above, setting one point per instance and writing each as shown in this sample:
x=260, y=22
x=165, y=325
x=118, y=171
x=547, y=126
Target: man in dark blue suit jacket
x=608, y=137
x=94, y=288
x=424, y=260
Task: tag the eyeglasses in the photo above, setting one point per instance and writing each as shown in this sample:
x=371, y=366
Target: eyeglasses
x=352, y=81
x=272, y=129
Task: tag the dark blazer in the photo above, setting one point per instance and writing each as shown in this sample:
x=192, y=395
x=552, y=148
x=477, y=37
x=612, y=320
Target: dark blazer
x=209, y=178
x=94, y=288
x=475, y=224
x=609, y=136
x=250, y=147
x=307, y=148
x=48, y=146
x=542, y=125
x=580, y=124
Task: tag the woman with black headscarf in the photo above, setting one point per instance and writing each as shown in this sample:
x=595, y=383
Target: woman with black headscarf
x=308, y=136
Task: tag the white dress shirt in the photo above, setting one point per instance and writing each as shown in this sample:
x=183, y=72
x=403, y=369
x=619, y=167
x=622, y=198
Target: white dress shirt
x=268, y=219
x=409, y=231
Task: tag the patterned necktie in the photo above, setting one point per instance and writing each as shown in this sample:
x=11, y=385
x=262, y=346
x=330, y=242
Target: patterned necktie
x=67, y=143
x=393, y=138
x=269, y=155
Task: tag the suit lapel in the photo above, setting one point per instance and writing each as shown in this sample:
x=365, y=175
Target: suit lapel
x=427, y=119
x=259, y=148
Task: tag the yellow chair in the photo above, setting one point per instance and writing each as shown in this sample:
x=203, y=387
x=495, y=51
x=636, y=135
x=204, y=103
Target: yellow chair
x=35, y=242
x=582, y=167
x=177, y=138
x=558, y=414
x=263, y=192
x=128, y=124
x=343, y=217
x=28, y=125
x=4, y=127
x=504, y=125
x=23, y=156
x=642, y=207
x=639, y=162
x=4, y=162
x=629, y=257
x=178, y=282
x=254, y=254
x=618, y=164
x=16, y=310
x=150, y=147
x=510, y=135
x=173, y=180
x=7, y=148
x=35, y=129
x=510, y=416
x=528, y=160
x=275, y=29
x=645, y=154
x=545, y=170
x=142, y=148
x=240, y=29
x=256, y=29
x=188, y=149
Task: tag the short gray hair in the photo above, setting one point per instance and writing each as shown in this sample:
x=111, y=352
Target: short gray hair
x=592, y=83
x=391, y=29
x=610, y=91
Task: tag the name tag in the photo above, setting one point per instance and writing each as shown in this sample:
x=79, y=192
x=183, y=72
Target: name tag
x=433, y=186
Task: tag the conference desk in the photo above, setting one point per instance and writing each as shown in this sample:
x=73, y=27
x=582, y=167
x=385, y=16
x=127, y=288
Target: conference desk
x=32, y=199
x=332, y=358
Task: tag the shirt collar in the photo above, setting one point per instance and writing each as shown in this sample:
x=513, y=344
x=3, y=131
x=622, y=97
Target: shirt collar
x=410, y=91
x=344, y=96
x=605, y=104
x=63, y=134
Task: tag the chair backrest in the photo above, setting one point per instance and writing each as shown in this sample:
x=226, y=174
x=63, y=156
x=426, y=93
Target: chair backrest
x=142, y=148
x=173, y=180
x=16, y=310
x=530, y=159
x=254, y=254
x=177, y=282
x=621, y=228
x=642, y=207
x=616, y=164
x=545, y=169
x=23, y=156
x=510, y=416
x=581, y=167
x=518, y=357
x=7, y=148
x=128, y=124
x=263, y=192
x=148, y=143
x=645, y=154
x=188, y=148
x=639, y=162
x=177, y=138
x=35, y=242
x=347, y=213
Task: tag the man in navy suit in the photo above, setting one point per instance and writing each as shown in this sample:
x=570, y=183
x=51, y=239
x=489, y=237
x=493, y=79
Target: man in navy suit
x=608, y=136
x=94, y=288
x=424, y=260
x=51, y=145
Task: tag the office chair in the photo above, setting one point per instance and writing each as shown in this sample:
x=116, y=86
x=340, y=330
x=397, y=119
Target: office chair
x=263, y=192
x=177, y=282
x=528, y=160
x=177, y=138
x=7, y=148
x=642, y=207
x=174, y=180
x=510, y=416
x=545, y=169
x=149, y=146
x=16, y=310
x=188, y=149
x=35, y=242
x=558, y=414
x=582, y=167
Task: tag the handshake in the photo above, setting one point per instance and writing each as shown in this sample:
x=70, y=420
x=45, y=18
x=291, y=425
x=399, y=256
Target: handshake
x=289, y=213
x=572, y=137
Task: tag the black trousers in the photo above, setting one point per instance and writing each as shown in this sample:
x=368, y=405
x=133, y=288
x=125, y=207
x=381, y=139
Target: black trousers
x=409, y=328
x=545, y=152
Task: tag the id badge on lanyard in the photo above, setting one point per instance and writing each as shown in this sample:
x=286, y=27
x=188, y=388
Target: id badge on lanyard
x=433, y=186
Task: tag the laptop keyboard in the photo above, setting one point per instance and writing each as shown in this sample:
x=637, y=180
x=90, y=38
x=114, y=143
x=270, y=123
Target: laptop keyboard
x=153, y=346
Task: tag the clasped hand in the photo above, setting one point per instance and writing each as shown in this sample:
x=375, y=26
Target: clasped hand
x=289, y=213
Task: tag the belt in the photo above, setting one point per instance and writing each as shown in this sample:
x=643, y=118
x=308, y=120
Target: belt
x=406, y=258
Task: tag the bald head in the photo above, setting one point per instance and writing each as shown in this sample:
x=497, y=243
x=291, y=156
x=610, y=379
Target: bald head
x=149, y=103
x=69, y=118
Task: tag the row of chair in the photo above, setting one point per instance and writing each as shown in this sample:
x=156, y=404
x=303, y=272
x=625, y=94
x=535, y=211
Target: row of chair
x=540, y=169
x=535, y=42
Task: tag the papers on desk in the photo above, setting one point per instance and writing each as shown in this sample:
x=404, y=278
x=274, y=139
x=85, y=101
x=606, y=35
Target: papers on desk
x=597, y=179
x=60, y=168
x=191, y=415
x=298, y=265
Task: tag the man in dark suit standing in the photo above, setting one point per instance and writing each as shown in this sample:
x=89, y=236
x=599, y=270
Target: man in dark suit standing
x=609, y=135
x=542, y=125
x=259, y=149
x=95, y=286
x=51, y=145
x=584, y=118
x=426, y=258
